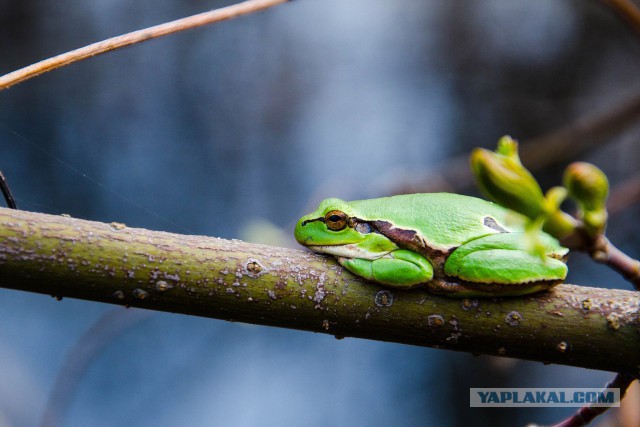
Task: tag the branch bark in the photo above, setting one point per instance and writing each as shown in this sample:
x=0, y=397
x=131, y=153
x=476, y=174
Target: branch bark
x=232, y=280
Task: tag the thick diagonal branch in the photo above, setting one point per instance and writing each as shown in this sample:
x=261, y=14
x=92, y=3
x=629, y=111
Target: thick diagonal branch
x=232, y=280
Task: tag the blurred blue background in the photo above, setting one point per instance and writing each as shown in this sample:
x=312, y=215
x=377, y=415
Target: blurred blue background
x=236, y=130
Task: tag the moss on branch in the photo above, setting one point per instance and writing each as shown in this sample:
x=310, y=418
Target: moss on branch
x=232, y=280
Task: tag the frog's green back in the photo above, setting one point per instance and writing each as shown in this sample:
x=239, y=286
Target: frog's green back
x=445, y=220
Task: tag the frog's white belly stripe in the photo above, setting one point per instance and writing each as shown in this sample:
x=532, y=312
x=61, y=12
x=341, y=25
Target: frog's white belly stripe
x=347, y=251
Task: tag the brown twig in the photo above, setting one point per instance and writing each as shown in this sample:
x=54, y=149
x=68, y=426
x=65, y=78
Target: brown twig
x=6, y=192
x=602, y=251
x=90, y=345
x=623, y=195
x=613, y=257
x=557, y=146
x=627, y=10
x=199, y=20
x=586, y=414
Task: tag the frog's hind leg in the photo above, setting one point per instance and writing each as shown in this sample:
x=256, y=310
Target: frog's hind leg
x=400, y=268
x=504, y=259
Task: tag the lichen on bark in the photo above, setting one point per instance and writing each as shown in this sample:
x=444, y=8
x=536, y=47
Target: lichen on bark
x=233, y=280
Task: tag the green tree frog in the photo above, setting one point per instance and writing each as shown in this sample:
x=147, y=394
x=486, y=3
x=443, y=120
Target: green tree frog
x=455, y=245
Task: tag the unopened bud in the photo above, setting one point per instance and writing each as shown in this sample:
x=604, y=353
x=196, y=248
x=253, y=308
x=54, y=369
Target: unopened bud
x=503, y=178
x=588, y=186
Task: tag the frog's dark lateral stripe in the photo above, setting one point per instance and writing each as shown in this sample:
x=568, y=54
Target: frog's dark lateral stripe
x=410, y=239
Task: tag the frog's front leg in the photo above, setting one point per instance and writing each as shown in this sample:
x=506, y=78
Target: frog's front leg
x=504, y=259
x=400, y=268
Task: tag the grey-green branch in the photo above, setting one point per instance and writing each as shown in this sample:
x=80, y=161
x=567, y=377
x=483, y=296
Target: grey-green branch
x=237, y=281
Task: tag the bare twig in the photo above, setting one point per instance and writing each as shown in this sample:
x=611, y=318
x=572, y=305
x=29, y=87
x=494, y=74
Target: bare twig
x=586, y=414
x=606, y=253
x=558, y=146
x=627, y=10
x=624, y=195
x=102, y=333
x=199, y=20
x=602, y=251
x=6, y=192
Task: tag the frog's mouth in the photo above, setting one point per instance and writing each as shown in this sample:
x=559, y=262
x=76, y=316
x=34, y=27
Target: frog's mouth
x=350, y=251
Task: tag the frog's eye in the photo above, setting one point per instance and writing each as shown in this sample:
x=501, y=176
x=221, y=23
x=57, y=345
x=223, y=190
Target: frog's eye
x=336, y=220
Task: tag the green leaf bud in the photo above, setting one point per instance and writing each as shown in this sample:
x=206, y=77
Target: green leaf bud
x=503, y=178
x=589, y=187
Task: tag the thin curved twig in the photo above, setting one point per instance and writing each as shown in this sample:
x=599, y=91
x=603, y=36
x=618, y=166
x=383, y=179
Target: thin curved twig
x=624, y=195
x=194, y=21
x=613, y=257
x=557, y=146
x=586, y=414
x=110, y=325
x=6, y=192
x=627, y=10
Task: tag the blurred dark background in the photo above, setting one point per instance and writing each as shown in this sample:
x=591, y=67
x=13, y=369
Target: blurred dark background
x=237, y=129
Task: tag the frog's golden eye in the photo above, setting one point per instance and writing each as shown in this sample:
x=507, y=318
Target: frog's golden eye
x=336, y=220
